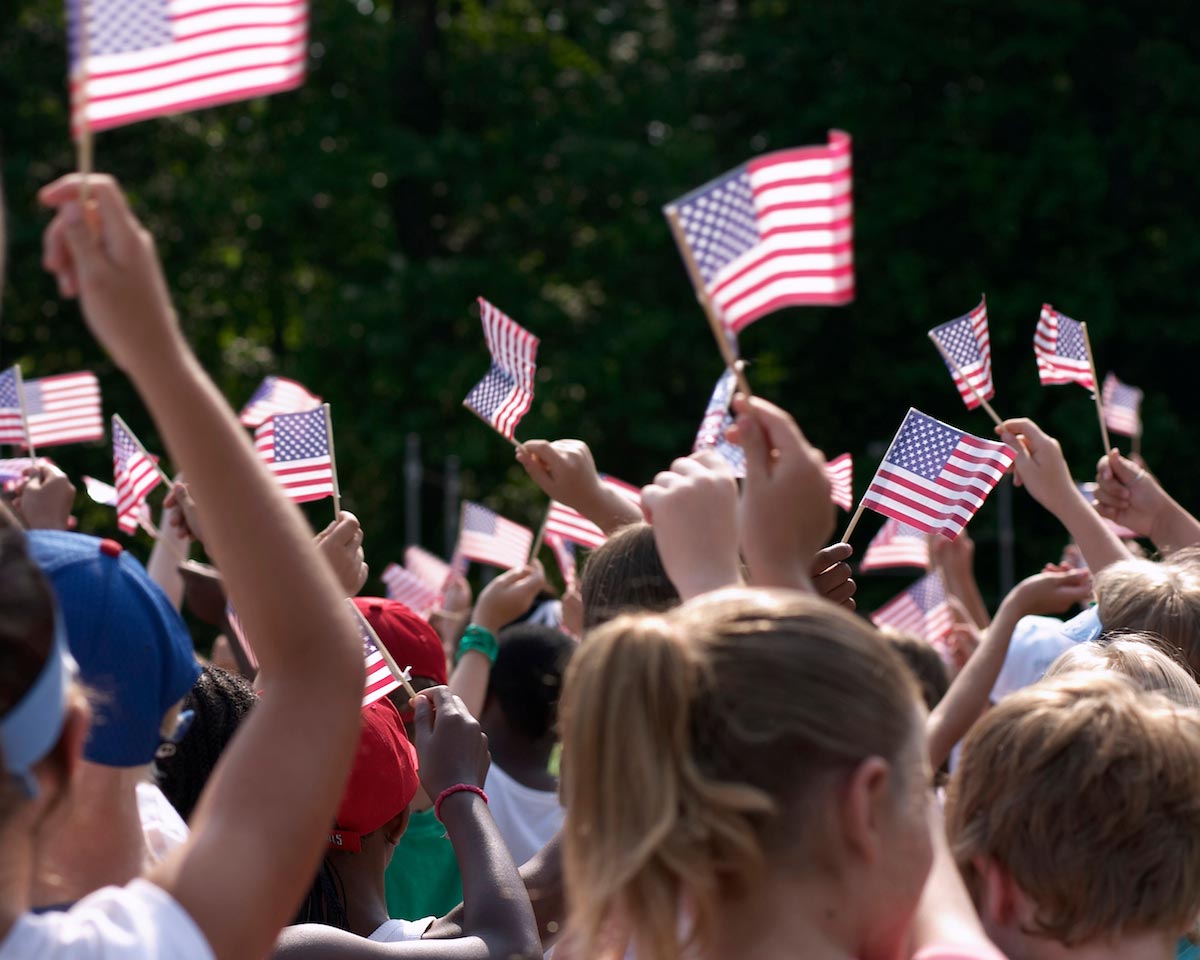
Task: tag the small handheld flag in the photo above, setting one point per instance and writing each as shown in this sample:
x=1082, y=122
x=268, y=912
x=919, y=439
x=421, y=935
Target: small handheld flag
x=1061, y=351
x=135, y=474
x=774, y=232
x=840, y=471
x=564, y=555
x=63, y=409
x=934, y=476
x=105, y=494
x=896, y=545
x=382, y=674
x=276, y=395
x=486, y=537
x=717, y=419
x=296, y=449
x=505, y=393
x=923, y=609
x=1122, y=407
x=965, y=346
x=409, y=589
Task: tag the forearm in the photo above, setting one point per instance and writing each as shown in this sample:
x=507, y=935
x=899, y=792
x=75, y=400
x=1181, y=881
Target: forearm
x=542, y=876
x=495, y=902
x=1174, y=528
x=163, y=566
x=1098, y=544
x=971, y=689
x=469, y=681
x=610, y=511
x=962, y=584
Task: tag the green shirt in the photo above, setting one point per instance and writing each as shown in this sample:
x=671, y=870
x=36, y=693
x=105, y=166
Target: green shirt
x=423, y=880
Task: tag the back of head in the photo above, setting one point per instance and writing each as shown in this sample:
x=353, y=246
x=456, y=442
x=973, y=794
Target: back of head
x=1086, y=791
x=219, y=701
x=692, y=738
x=1142, y=657
x=132, y=646
x=526, y=678
x=926, y=664
x=1161, y=598
x=626, y=575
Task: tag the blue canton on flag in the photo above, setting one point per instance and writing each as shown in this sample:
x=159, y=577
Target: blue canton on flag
x=717, y=419
x=12, y=422
x=719, y=221
x=965, y=340
x=1060, y=347
x=491, y=393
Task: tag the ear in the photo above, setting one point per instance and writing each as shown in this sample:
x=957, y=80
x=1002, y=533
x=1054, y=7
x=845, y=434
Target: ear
x=59, y=767
x=394, y=829
x=866, y=807
x=998, y=893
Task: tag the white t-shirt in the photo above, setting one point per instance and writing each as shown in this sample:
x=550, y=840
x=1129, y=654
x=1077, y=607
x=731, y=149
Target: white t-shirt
x=526, y=818
x=136, y=922
x=401, y=931
x=162, y=826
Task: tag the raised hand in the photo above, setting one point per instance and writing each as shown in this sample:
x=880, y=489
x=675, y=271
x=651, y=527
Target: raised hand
x=44, y=498
x=693, y=510
x=831, y=575
x=567, y=473
x=1040, y=467
x=179, y=512
x=1056, y=589
x=340, y=544
x=508, y=596
x=786, y=513
x=1128, y=494
x=451, y=746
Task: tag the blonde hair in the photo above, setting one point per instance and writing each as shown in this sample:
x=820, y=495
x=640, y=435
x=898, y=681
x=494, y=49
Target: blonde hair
x=1149, y=597
x=1141, y=657
x=1087, y=791
x=686, y=735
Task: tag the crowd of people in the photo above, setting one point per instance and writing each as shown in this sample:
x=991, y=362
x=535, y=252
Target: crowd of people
x=709, y=754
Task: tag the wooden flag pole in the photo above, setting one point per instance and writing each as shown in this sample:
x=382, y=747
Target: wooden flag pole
x=970, y=386
x=541, y=535
x=1087, y=343
x=24, y=416
x=1136, y=448
x=513, y=440
x=401, y=675
x=337, y=492
x=853, y=522
x=715, y=323
x=145, y=453
x=83, y=140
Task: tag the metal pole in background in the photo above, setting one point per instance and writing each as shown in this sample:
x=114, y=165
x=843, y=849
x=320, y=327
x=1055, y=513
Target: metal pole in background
x=412, y=489
x=451, y=489
x=1004, y=533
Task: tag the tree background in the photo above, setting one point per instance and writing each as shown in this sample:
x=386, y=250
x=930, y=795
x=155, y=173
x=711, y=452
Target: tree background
x=522, y=151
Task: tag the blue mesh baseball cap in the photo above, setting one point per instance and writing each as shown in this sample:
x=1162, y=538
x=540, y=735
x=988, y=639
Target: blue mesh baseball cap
x=132, y=646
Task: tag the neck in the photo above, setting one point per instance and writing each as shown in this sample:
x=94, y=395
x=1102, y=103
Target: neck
x=779, y=915
x=17, y=858
x=1145, y=945
x=98, y=842
x=361, y=875
x=524, y=760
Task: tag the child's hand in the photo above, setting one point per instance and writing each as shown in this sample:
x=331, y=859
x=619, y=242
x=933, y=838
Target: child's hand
x=1040, y=465
x=1127, y=494
x=508, y=596
x=340, y=544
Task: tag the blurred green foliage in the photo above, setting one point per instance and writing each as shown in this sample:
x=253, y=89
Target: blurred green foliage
x=522, y=150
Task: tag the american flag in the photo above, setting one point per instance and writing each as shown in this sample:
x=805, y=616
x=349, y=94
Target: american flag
x=1122, y=405
x=106, y=495
x=380, y=679
x=774, y=232
x=135, y=475
x=1061, y=351
x=935, y=477
x=486, y=537
x=433, y=570
x=405, y=586
x=921, y=609
x=63, y=409
x=965, y=340
x=277, y=395
x=12, y=420
x=150, y=58
x=15, y=467
x=571, y=525
x=1089, y=494
x=505, y=394
x=564, y=555
x=717, y=419
x=296, y=449
x=896, y=545
x=840, y=471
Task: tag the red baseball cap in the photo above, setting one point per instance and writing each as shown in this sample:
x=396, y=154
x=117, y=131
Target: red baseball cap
x=383, y=780
x=410, y=640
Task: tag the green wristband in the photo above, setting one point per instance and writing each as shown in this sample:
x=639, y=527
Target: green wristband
x=481, y=640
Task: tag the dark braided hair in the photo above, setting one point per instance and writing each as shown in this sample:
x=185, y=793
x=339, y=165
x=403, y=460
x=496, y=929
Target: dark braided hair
x=219, y=701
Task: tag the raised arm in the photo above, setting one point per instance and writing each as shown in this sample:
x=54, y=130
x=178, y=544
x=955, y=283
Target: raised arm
x=566, y=472
x=1043, y=471
x=261, y=824
x=1128, y=494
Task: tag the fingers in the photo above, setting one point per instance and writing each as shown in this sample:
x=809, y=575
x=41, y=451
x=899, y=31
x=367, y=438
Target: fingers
x=539, y=458
x=835, y=553
x=429, y=704
x=779, y=430
x=57, y=259
x=118, y=228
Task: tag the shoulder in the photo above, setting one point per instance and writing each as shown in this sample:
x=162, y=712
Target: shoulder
x=959, y=951
x=139, y=921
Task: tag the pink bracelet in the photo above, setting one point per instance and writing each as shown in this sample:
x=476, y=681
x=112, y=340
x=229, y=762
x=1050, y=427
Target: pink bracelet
x=450, y=791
